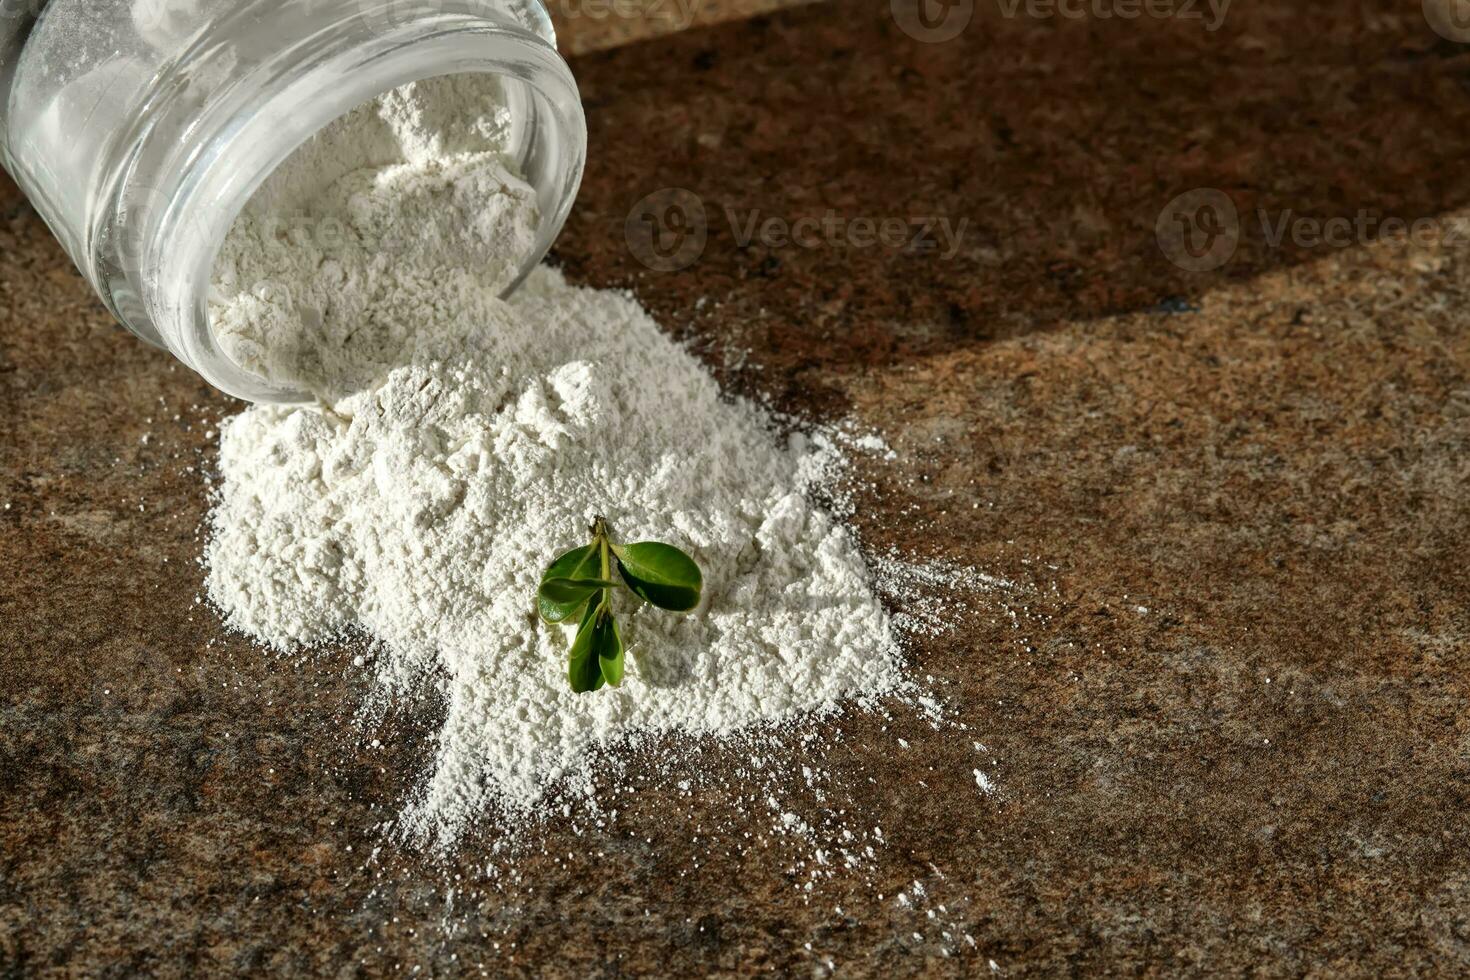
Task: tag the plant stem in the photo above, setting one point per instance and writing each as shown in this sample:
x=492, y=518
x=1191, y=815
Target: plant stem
x=603, y=548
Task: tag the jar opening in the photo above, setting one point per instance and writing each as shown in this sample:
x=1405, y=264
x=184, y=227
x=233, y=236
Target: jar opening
x=252, y=128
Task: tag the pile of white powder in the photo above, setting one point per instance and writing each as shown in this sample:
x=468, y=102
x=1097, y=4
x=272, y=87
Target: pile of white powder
x=462, y=441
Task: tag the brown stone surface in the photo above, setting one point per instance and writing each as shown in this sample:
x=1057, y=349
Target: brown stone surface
x=1224, y=702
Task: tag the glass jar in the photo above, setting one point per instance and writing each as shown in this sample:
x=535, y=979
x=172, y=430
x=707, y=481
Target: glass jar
x=139, y=129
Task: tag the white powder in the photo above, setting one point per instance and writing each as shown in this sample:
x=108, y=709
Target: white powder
x=467, y=442
x=326, y=280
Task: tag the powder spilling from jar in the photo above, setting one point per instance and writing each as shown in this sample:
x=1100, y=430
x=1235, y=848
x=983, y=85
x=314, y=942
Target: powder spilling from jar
x=462, y=441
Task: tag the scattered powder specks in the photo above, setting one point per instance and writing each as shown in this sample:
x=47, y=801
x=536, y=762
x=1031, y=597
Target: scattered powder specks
x=933, y=595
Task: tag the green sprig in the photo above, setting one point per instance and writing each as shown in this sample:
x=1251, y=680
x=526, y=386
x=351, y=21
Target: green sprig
x=580, y=583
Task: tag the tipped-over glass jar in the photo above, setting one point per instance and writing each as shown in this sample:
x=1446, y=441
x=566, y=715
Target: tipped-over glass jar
x=140, y=129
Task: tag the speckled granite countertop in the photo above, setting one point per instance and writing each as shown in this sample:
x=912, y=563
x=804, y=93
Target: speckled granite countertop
x=1224, y=701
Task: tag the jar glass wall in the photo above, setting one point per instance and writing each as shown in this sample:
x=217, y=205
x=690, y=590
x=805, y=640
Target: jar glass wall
x=140, y=129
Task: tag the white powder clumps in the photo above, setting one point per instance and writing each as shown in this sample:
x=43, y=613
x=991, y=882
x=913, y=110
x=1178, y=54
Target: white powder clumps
x=420, y=508
x=315, y=286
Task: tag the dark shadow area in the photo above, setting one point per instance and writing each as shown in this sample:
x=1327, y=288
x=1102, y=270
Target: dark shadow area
x=1057, y=142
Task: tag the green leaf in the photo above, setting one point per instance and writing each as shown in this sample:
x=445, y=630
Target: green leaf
x=660, y=574
x=597, y=653
x=585, y=668
x=578, y=564
x=609, y=644
x=566, y=591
